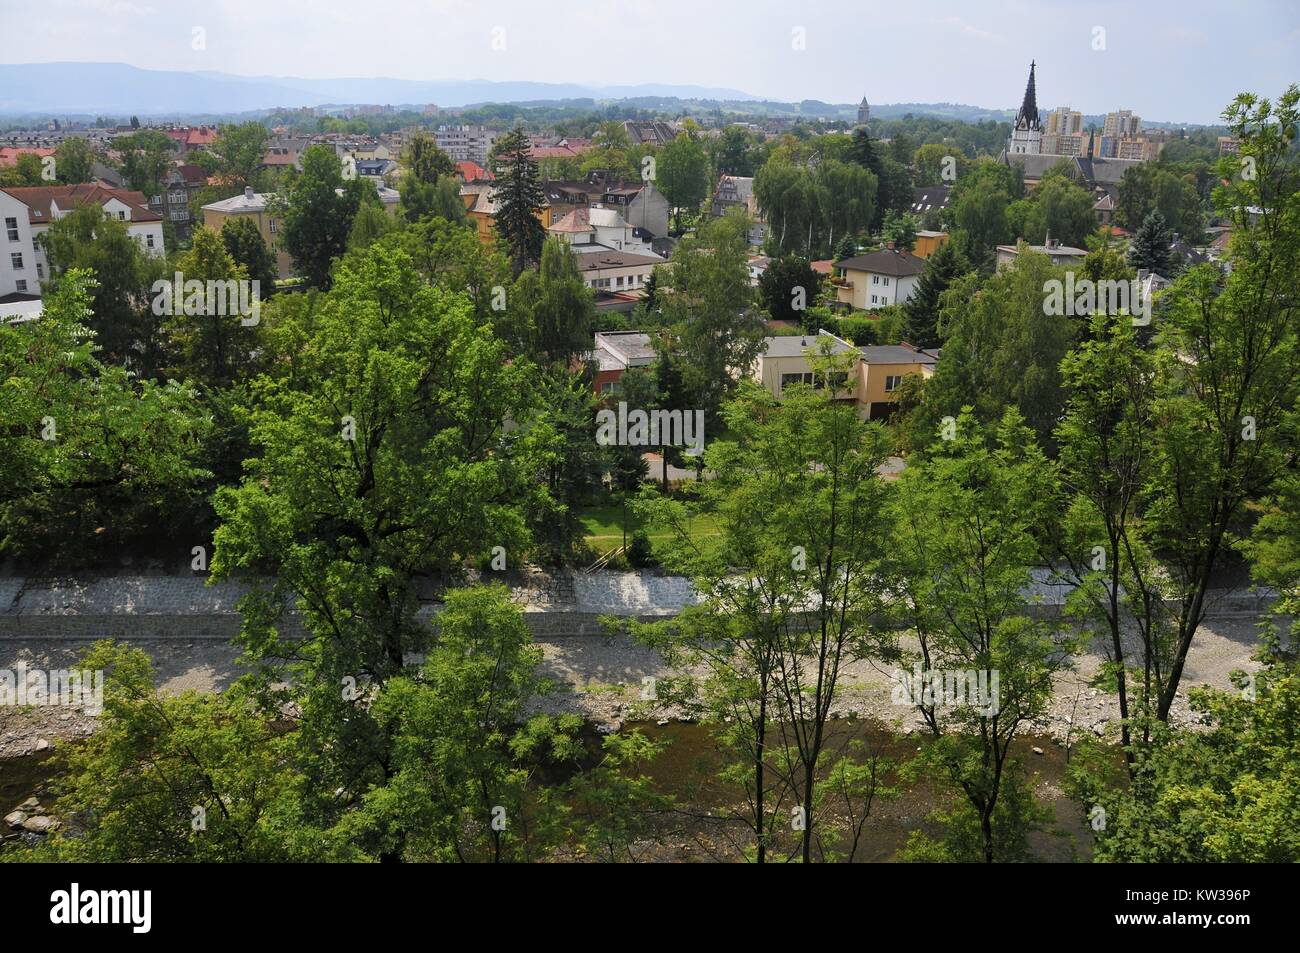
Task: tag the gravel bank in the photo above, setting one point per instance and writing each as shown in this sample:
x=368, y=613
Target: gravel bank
x=600, y=677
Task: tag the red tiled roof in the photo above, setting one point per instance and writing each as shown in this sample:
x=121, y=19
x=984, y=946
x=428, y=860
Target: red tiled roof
x=9, y=154
x=39, y=199
x=473, y=172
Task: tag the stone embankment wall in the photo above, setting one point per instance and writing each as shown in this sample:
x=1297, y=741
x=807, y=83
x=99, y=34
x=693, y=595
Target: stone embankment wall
x=555, y=605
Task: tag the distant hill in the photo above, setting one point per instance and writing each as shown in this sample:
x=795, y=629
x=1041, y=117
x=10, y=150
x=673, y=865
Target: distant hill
x=115, y=88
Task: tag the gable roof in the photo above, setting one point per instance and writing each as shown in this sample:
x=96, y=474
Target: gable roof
x=889, y=261
x=39, y=200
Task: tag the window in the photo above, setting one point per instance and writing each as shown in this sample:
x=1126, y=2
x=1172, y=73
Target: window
x=274, y=226
x=892, y=381
x=156, y=200
x=16, y=260
x=148, y=240
x=790, y=380
x=11, y=226
x=873, y=299
x=121, y=216
x=875, y=279
x=609, y=387
x=21, y=284
x=885, y=282
x=40, y=271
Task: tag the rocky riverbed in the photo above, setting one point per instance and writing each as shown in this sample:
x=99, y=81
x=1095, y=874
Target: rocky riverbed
x=601, y=677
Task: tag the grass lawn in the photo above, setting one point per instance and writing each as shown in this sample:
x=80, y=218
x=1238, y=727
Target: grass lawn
x=604, y=526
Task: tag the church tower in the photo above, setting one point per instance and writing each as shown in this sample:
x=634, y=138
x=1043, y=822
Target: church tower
x=1027, y=134
x=864, y=112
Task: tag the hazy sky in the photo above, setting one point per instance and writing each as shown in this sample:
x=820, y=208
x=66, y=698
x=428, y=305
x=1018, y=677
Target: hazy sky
x=1173, y=61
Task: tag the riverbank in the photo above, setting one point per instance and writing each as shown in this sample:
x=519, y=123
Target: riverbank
x=600, y=677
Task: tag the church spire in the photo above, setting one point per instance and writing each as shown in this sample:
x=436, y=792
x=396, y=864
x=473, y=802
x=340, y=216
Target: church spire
x=1027, y=118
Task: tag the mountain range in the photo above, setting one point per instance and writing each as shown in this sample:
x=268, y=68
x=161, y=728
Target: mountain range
x=116, y=88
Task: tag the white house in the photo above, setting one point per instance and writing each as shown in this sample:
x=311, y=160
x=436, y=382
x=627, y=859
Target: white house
x=606, y=270
x=596, y=228
x=878, y=279
x=26, y=213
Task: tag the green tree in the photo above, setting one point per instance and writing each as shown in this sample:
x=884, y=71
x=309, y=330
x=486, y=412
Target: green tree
x=1000, y=350
x=146, y=157
x=90, y=455
x=240, y=150
x=562, y=306
x=900, y=230
x=385, y=454
x=942, y=268
x=214, y=336
x=74, y=161
x=318, y=209
x=1150, y=249
x=789, y=584
x=425, y=162
x=246, y=247
x=788, y=288
x=193, y=777
x=964, y=546
x=709, y=310
x=682, y=174
x=120, y=315
x=464, y=750
x=519, y=199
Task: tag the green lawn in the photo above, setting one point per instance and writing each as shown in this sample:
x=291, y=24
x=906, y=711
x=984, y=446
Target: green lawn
x=604, y=526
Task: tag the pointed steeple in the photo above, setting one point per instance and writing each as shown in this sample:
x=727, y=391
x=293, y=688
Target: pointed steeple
x=1027, y=118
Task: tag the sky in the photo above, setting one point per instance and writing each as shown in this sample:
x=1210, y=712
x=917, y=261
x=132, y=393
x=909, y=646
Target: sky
x=1167, y=61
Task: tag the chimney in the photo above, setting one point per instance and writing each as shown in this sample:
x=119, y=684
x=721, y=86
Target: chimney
x=248, y=192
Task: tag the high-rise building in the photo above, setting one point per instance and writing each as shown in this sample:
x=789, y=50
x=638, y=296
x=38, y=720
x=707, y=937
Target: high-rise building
x=1121, y=125
x=1063, y=133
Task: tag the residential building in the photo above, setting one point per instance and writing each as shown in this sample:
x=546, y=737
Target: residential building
x=616, y=271
x=930, y=198
x=873, y=378
x=598, y=228
x=650, y=133
x=1121, y=124
x=614, y=353
x=882, y=371
x=785, y=362
x=877, y=279
x=466, y=143
x=1053, y=249
x=26, y=214
x=640, y=203
x=255, y=206
x=173, y=204
x=473, y=172
x=737, y=191
x=481, y=207
x=1063, y=134
x=928, y=242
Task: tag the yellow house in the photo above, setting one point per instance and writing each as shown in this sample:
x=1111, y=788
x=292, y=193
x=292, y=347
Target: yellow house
x=872, y=384
x=927, y=243
x=254, y=205
x=784, y=362
x=481, y=208
x=881, y=372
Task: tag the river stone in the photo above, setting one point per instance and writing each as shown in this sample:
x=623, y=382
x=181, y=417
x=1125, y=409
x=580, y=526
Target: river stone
x=30, y=805
x=15, y=819
x=38, y=825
